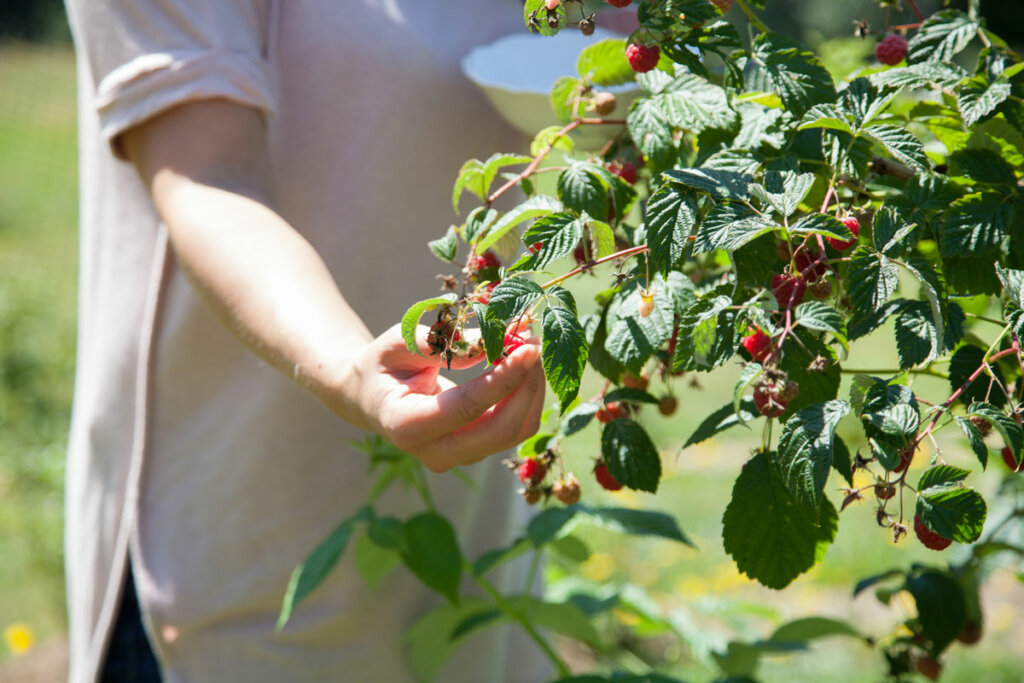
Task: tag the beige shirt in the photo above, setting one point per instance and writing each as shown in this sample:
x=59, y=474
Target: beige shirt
x=217, y=473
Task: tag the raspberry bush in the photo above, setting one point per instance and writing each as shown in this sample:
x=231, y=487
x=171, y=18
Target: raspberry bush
x=752, y=210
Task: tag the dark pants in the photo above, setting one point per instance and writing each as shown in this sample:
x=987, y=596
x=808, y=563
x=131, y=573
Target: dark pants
x=130, y=658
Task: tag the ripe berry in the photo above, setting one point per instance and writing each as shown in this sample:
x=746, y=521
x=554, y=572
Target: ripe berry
x=906, y=457
x=633, y=382
x=568, y=490
x=535, y=247
x=611, y=411
x=667, y=405
x=512, y=342
x=892, y=49
x=625, y=170
x=789, y=291
x=642, y=58
x=487, y=260
x=758, y=345
x=809, y=266
x=842, y=245
x=929, y=538
x=441, y=336
x=1011, y=461
x=580, y=254
x=605, y=478
x=604, y=103
x=619, y=3
x=531, y=471
x=767, y=403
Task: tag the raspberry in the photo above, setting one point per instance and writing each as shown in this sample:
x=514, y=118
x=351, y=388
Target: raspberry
x=884, y=491
x=624, y=170
x=604, y=103
x=822, y=289
x=568, y=490
x=611, y=411
x=532, y=496
x=441, y=336
x=531, y=471
x=605, y=478
x=892, y=49
x=928, y=667
x=667, y=405
x=535, y=247
x=1011, y=461
x=486, y=260
x=580, y=254
x=642, y=58
x=633, y=382
x=512, y=342
x=809, y=266
x=790, y=390
x=552, y=4
x=789, y=291
x=619, y=3
x=906, y=457
x=484, y=294
x=758, y=345
x=646, y=305
x=929, y=538
x=767, y=403
x=842, y=245
x=971, y=632
x=587, y=27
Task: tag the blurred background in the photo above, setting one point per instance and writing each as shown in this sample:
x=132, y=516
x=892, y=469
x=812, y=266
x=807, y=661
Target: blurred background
x=38, y=271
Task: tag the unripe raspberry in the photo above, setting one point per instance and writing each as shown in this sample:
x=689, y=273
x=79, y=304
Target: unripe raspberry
x=667, y=405
x=624, y=170
x=587, y=27
x=884, y=491
x=605, y=478
x=646, y=305
x=789, y=291
x=604, y=103
x=568, y=490
x=758, y=345
x=532, y=496
x=891, y=49
x=642, y=58
x=1011, y=461
x=929, y=538
x=842, y=245
x=531, y=471
x=767, y=403
x=619, y=3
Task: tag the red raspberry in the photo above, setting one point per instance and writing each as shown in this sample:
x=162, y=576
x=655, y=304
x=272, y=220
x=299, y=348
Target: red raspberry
x=487, y=260
x=580, y=254
x=605, y=478
x=790, y=390
x=667, y=405
x=531, y=471
x=929, y=538
x=842, y=245
x=758, y=345
x=619, y=3
x=624, y=170
x=484, y=295
x=767, y=403
x=642, y=58
x=810, y=266
x=1011, y=461
x=535, y=247
x=568, y=490
x=633, y=382
x=512, y=342
x=906, y=457
x=892, y=49
x=789, y=291
x=611, y=411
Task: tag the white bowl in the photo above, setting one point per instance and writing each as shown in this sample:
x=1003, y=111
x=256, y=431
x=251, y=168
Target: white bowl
x=517, y=72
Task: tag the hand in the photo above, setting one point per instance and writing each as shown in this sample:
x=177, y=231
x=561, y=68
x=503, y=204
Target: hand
x=403, y=398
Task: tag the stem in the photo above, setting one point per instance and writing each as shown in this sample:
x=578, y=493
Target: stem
x=913, y=7
x=888, y=372
x=520, y=618
x=751, y=17
x=576, y=271
x=1001, y=323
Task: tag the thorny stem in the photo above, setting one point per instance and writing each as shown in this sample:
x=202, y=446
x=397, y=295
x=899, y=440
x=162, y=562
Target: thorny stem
x=586, y=266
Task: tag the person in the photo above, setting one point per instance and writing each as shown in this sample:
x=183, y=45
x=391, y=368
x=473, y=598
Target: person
x=258, y=181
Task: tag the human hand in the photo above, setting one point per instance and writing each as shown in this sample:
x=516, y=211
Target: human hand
x=403, y=397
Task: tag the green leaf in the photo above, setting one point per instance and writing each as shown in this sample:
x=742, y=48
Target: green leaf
x=563, y=95
x=411, y=319
x=497, y=557
x=387, y=532
x=670, y=217
x=863, y=102
x=564, y=353
x=941, y=37
x=962, y=365
x=975, y=439
x=976, y=224
x=890, y=409
x=533, y=207
x=730, y=225
x=815, y=315
x=982, y=166
x=476, y=621
x=565, y=618
x=536, y=15
x=768, y=534
x=924, y=75
x=1013, y=283
x=605, y=63
x=815, y=387
x=1013, y=435
x=903, y=145
x=805, y=451
x=978, y=98
x=954, y=512
x=630, y=395
x=693, y=104
x=798, y=76
x=511, y=297
x=651, y=132
x=872, y=280
x=632, y=339
x=432, y=553
x=312, y=572
x=784, y=190
x=889, y=231
x=578, y=418
x=550, y=524
x=720, y=420
x=374, y=562
x=639, y=523
x=470, y=177
x=478, y=222
x=558, y=233
x=492, y=331
x=429, y=639
x=940, y=606
x=719, y=184
x=631, y=457
x=813, y=628
x=445, y=248
x=941, y=476
x=822, y=224
x=698, y=334
x=551, y=137
x=581, y=187
x=917, y=340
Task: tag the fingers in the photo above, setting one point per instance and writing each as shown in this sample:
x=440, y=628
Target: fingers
x=395, y=356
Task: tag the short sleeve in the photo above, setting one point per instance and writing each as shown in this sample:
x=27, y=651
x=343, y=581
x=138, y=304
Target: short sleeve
x=147, y=56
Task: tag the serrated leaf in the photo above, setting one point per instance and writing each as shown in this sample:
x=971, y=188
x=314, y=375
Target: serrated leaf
x=670, y=216
x=805, y=451
x=815, y=386
x=534, y=207
x=698, y=334
x=872, y=280
x=924, y=75
x=512, y=297
x=768, y=534
x=639, y=523
x=429, y=639
x=797, y=75
x=582, y=188
x=730, y=225
x=536, y=17
x=941, y=476
x=941, y=37
x=975, y=439
x=722, y=419
x=903, y=145
x=445, y=248
x=815, y=315
x=822, y=224
x=564, y=93
x=550, y=137
x=940, y=606
x=982, y=166
x=1013, y=435
x=492, y=332
x=478, y=222
x=891, y=409
x=470, y=177
x=693, y=104
x=432, y=554
x=1013, y=283
x=558, y=234
x=564, y=353
x=578, y=418
x=889, y=231
x=963, y=364
x=631, y=456
x=978, y=98
x=605, y=63
x=411, y=319
x=719, y=184
x=651, y=132
x=863, y=102
x=953, y=512
x=784, y=190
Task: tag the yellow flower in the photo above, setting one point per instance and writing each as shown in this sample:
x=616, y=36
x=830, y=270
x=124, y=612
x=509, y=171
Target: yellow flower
x=19, y=638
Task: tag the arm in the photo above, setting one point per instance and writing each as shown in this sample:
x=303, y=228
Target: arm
x=207, y=167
